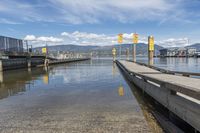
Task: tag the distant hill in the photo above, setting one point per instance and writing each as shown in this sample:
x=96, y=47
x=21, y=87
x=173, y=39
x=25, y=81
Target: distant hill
x=69, y=47
x=196, y=45
x=141, y=48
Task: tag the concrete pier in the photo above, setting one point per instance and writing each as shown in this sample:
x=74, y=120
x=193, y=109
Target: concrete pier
x=10, y=64
x=179, y=94
x=17, y=63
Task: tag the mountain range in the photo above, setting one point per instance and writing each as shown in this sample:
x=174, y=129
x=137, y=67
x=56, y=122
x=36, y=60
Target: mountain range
x=141, y=48
x=196, y=45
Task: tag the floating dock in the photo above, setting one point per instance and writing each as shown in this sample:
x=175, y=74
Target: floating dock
x=179, y=94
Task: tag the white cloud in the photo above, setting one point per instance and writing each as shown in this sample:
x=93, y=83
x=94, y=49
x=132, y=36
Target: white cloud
x=64, y=34
x=49, y=39
x=38, y=41
x=174, y=42
x=84, y=38
x=30, y=38
x=125, y=11
x=24, y=11
x=6, y=21
x=96, y=11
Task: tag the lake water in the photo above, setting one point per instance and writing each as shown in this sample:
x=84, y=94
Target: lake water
x=177, y=64
x=88, y=96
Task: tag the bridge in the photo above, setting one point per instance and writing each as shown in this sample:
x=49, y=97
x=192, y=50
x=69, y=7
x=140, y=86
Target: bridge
x=179, y=94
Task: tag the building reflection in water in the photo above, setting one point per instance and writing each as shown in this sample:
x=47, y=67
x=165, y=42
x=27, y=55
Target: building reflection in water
x=15, y=81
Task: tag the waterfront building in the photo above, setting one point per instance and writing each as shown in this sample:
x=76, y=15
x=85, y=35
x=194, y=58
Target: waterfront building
x=197, y=54
x=191, y=51
x=8, y=44
x=182, y=52
x=170, y=52
x=177, y=52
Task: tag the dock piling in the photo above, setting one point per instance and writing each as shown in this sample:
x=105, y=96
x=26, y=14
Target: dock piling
x=134, y=53
x=150, y=50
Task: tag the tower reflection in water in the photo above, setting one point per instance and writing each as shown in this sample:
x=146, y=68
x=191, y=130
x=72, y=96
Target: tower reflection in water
x=121, y=90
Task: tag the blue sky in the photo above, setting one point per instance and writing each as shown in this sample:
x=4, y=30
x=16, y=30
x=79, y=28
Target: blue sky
x=97, y=22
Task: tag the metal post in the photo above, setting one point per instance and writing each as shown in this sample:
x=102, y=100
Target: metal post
x=120, y=51
x=150, y=50
x=27, y=45
x=31, y=48
x=120, y=40
x=151, y=55
x=134, y=52
x=135, y=41
x=127, y=53
x=46, y=49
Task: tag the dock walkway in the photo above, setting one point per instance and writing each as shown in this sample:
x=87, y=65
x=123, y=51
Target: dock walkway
x=179, y=94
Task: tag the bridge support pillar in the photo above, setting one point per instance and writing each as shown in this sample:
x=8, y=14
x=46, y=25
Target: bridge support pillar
x=150, y=49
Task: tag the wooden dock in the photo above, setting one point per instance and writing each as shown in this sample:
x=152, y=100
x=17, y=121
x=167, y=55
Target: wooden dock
x=181, y=95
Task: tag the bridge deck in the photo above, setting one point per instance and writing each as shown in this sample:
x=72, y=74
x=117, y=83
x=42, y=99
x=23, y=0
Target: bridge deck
x=181, y=83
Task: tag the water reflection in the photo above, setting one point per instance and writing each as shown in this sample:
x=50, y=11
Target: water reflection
x=46, y=79
x=146, y=107
x=114, y=69
x=13, y=82
x=94, y=85
x=175, y=64
x=121, y=90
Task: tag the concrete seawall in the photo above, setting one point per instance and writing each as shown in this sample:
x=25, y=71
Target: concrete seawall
x=9, y=64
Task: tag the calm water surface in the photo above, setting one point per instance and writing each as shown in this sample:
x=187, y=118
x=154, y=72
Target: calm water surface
x=88, y=96
x=76, y=97
x=177, y=64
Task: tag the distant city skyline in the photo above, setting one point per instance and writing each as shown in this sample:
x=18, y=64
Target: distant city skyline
x=92, y=22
